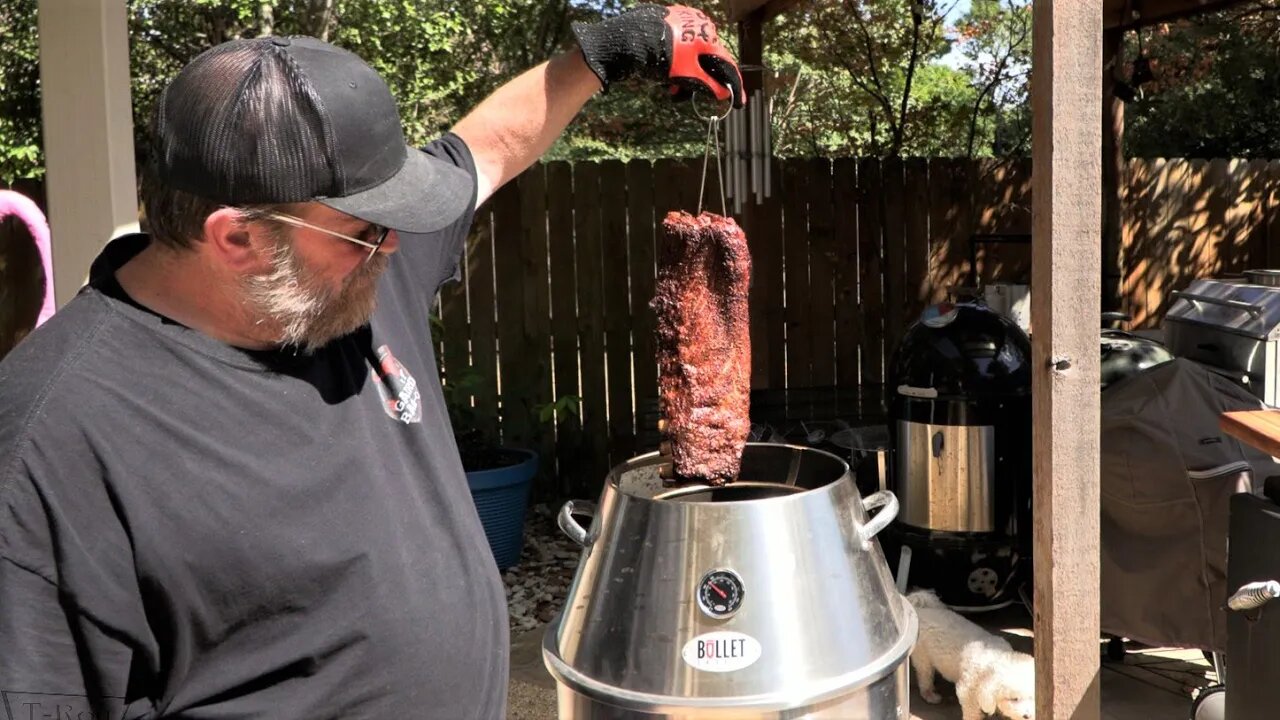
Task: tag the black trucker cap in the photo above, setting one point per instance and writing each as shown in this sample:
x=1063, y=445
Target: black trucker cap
x=282, y=120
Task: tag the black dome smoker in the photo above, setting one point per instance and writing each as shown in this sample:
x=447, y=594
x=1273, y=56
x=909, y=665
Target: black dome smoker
x=960, y=425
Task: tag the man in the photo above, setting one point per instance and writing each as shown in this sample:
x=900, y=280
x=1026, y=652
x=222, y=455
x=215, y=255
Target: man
x=228, y=485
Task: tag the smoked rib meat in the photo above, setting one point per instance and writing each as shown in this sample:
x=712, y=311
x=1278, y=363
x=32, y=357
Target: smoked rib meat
x=704, y=344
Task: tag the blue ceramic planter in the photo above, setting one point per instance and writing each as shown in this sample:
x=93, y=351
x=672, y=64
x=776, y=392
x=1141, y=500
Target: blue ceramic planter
x=501, y=496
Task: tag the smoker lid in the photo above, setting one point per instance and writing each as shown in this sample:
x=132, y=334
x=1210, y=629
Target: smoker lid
x=962, y=351
x=1232, y=305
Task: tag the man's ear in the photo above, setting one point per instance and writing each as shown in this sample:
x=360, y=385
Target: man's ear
x=237, y=244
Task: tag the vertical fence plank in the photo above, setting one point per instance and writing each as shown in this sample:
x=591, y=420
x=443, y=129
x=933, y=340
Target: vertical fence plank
x=564, y=319
x=1130, y=179
x=1272, y=174
x=796, y=258
x=893, y=186
x=453, y=316
x=870, y=272
x=765, y=237
x=917, y=237
x=1143, y=218
x=536, y=347
x=617, y=308
x=640, y=254
x=1202, y=255
x=484, y=329
x=947, y=248
x=1253, y=179
x=963, y=185
x=850, y=320
x=590, y=269
x=517, y=426
x=821, y=274
x=1180, y=217
x=941, y=220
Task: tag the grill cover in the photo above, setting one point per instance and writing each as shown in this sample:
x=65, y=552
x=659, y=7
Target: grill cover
x=1168, y=473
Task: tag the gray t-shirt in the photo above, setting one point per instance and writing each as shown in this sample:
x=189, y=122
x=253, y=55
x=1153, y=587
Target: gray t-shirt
x=192, y=530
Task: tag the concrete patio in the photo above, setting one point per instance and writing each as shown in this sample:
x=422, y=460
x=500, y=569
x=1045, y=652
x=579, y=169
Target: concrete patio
x=1151, y=683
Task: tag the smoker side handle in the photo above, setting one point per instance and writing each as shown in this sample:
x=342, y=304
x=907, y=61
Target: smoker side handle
x=889, y=502
x=571, y=527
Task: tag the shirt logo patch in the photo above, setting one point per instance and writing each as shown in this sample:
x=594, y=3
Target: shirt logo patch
x=399, y=391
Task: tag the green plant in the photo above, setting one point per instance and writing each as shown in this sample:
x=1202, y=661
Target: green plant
x=563, y=408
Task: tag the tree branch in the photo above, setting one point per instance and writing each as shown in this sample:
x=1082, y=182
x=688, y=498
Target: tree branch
x=899, y=131
x=881, y=94
x=856, y=75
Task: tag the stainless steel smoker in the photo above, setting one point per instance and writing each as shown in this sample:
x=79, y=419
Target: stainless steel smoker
x=765, y=598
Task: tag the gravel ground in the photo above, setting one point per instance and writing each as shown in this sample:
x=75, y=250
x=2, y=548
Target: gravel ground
x=538, y=585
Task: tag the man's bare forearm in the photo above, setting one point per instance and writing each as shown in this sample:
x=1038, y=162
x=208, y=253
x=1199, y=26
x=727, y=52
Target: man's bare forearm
x=514, y=126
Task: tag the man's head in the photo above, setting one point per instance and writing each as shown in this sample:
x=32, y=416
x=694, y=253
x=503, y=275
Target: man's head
x=280, y=160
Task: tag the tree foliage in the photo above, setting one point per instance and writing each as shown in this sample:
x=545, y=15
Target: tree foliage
x=843, y=77
x=862, y=76
x=994, y=39
x=20, y=154
x=1216, y=91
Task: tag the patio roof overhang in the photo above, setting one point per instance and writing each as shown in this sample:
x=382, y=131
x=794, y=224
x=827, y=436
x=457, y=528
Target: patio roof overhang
x=1116, y=14
x=739, y=10
x=1132, y=14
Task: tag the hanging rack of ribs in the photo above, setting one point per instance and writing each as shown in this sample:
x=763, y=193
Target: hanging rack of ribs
x=704, y=346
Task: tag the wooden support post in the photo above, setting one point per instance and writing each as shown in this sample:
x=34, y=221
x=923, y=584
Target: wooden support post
x=1066, y=205
x=88, y=132
x=751, y=49
x=1113, y=175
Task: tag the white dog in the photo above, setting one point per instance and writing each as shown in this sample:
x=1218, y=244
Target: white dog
x=990, y=676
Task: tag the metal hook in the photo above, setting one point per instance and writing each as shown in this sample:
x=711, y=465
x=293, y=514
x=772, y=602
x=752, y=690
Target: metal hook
x=713, y=140
x=700, y=116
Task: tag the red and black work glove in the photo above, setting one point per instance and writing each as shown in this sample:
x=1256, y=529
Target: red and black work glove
x=675, y=44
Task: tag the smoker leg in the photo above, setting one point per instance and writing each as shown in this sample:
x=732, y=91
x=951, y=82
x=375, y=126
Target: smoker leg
x=1219, y=661
x=1115, y=649
x=904, y=568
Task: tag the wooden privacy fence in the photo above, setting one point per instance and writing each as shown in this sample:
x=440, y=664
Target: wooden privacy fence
x=560, y=271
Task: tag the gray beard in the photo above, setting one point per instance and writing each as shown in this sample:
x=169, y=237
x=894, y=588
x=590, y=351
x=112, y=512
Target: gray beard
x=302, y=309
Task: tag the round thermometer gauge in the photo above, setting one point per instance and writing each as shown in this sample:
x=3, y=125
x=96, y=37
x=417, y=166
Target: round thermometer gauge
x=720, y=593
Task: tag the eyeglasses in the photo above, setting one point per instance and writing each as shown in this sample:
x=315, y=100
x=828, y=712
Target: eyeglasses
x=382, y=232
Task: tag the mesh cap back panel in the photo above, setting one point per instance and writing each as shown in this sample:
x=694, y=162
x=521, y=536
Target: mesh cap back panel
x=242, y=124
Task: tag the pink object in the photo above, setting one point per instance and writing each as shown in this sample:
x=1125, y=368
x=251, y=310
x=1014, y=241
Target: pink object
x=12, y=203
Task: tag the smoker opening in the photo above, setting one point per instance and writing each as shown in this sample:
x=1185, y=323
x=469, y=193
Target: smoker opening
x=771, y=466
x=733, y=492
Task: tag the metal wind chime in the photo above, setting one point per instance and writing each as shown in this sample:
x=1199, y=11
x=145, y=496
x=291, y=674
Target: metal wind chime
x=748, y=151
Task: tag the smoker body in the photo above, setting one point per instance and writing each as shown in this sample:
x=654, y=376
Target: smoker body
x=765, y=598
x=960, y=418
